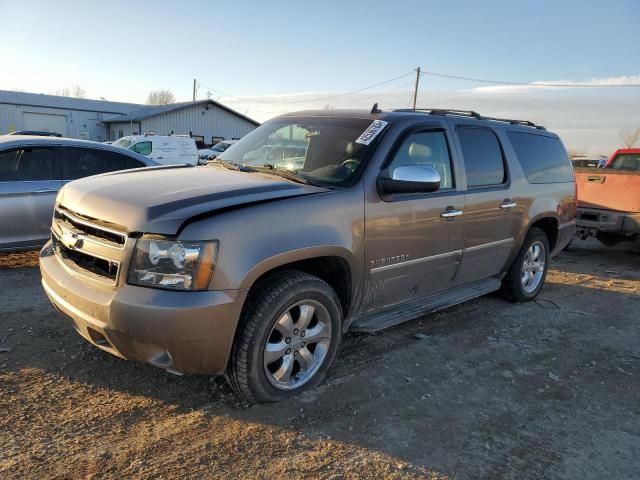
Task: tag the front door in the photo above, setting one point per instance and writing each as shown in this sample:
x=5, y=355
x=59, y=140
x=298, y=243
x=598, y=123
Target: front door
x=411, y=249
x=27, y=194
x=492, y=217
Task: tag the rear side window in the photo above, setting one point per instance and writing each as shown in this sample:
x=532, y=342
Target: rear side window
x=483, y=158
x=27, y=164
x=84, y=162
x=626, y=161
x=543, y=159
x=133, y=163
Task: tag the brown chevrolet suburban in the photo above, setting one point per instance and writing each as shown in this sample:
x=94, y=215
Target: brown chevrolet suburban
x=315, y=223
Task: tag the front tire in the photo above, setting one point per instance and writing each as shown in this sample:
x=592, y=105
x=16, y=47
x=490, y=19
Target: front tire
x=288, y=337
x=529, y=270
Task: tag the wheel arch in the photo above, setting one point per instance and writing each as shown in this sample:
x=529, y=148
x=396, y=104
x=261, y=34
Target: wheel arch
x=334, y=265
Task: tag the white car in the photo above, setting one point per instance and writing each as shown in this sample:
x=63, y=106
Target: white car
x=214, y=151
x=164, y=149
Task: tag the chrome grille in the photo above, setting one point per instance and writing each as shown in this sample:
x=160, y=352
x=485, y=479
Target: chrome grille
x=92, y=249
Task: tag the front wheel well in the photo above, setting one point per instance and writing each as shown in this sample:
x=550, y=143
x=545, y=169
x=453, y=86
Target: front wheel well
x=549, y=226
x=333, y=270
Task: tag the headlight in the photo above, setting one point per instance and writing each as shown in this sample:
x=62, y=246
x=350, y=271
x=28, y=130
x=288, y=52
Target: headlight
x=173, y=265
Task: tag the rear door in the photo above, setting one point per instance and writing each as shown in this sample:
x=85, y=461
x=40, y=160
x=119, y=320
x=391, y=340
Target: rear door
x=492, y=217
x=27, y=194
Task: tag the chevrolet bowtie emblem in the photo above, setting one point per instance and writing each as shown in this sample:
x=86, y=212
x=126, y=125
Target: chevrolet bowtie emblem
x=71, y=240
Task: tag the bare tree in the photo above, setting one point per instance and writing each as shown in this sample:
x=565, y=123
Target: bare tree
x=63, y=92
x=160, y=97
x=75, y=91
x=78, y=92
x=630, y=136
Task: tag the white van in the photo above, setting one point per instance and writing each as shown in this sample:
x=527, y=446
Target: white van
x=167, y=150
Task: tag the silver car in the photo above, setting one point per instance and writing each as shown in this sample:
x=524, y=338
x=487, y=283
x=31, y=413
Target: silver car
x=34, y=168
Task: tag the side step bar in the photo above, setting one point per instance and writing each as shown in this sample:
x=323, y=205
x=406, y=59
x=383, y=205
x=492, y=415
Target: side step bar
x=373, y=322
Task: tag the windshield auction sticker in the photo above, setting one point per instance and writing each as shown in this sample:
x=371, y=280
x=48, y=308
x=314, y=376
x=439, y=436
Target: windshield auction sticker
x=371, y=132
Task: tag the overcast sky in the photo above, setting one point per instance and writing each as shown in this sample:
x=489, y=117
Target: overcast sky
x=288, y=55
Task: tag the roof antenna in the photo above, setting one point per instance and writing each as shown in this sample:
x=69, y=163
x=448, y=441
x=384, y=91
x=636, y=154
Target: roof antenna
x=375, y=108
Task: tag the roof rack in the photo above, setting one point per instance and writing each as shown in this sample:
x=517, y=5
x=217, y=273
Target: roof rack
x=469, y=113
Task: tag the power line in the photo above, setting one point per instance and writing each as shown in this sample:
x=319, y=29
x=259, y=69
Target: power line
x=534, y=84
x=317, y=99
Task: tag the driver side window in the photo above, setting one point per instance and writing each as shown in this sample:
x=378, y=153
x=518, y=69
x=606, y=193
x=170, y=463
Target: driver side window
x=425, y=149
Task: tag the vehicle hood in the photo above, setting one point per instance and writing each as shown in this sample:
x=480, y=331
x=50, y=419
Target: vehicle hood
x=162, y=199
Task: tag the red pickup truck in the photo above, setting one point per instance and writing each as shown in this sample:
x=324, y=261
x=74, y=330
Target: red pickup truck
x=609, y=199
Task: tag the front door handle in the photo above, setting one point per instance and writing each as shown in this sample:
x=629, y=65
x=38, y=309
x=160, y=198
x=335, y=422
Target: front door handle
x=46, y=190
x=451, y=213
x=507, y=204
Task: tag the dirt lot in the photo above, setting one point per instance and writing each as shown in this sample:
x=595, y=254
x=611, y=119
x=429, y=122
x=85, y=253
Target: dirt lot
x=550, y=389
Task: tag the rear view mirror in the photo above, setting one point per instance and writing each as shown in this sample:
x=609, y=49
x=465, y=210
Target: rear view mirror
x=411, y=179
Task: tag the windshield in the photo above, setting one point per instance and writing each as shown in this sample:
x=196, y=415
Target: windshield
x=626, y=161
x=220, y=147
x=318, y=150
x=122, y=143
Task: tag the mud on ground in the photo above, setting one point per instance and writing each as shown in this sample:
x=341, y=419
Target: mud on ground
x=548, y=389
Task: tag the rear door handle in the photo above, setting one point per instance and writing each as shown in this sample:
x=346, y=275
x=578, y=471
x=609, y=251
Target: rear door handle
x=450, y=213
x=508, y=204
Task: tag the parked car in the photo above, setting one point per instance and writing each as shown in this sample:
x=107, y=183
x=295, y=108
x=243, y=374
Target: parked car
x=589, y=162
x=164, y=149
x=255, y=271
x=33, y=169
x=36, y=133
x=215, y=150
x=609, y=200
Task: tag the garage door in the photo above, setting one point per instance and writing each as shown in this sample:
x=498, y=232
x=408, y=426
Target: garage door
x=45, y=122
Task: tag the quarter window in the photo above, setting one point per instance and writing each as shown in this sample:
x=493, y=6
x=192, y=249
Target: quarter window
x=483, y=158
x=543, y=159
x=27, y=164
x=425, y=149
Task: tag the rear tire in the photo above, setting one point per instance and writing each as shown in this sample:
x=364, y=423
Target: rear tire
x=528, y=271
x=288, y=337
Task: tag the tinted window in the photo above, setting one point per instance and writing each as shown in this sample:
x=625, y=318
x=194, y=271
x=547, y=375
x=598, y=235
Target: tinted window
x=27, y=164
x=482, y=157
x=543, y=159
x=143, y=148
x=428, y=149
x=626, y=161
x=133, y=163
x=83, y=162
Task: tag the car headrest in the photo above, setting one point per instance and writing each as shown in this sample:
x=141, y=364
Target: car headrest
x=419, y=150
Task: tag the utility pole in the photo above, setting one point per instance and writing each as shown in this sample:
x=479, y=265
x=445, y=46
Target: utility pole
x=194, y=89
x=415, y=92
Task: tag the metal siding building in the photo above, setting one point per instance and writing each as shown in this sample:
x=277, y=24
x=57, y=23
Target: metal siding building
x=71, y=117
x=101, y=120
x=204, y=118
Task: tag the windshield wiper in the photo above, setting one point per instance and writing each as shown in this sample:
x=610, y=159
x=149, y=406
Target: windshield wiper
x=232, y=166
x=281, y=172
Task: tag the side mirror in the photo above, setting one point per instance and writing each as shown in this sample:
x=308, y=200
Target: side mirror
x=411, y=179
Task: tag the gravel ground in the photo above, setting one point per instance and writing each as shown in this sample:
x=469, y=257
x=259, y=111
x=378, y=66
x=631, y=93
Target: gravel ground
x=548, y=389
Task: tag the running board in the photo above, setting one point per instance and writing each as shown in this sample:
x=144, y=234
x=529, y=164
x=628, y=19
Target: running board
x=375, y=321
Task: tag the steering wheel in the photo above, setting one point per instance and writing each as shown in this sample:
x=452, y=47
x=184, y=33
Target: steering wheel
x=351, y=163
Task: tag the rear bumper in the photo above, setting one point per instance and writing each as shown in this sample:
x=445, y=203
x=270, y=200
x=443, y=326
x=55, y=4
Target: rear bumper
x=591, y=221
x=183, y=332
